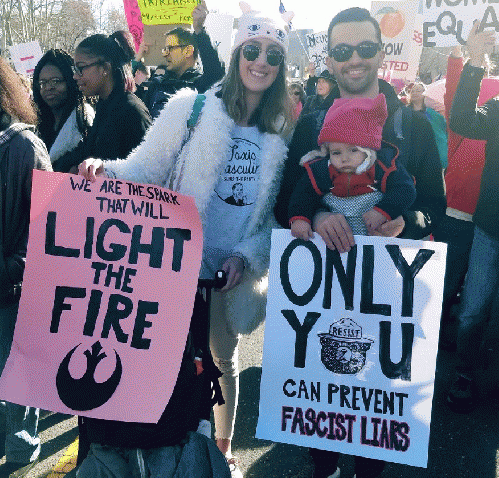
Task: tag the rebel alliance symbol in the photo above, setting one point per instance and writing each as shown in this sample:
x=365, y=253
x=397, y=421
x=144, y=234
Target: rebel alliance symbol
x=85, y=393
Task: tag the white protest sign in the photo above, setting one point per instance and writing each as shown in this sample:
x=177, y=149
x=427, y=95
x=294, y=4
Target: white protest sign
x=397, y=21
x=350, y=346
x=317, y=49
x=448, y=22
x=219, y=27
x=25, y=57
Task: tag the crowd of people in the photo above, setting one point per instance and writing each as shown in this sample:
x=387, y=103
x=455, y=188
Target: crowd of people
x=344, y=155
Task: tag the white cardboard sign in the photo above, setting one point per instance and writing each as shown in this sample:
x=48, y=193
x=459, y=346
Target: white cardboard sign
x=350, y=346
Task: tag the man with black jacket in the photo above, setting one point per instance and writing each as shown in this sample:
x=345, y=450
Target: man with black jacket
x=357, y=76
x=355, y=55
x=181, y=52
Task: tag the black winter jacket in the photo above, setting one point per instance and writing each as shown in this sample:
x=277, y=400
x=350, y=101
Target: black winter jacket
x=120, y=123
x=422, y=162
x=21, y=153
x=480, y=123
x=161, y=88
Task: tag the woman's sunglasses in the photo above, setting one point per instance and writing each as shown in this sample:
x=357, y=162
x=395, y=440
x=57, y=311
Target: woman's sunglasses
x=252, y=52
x=343, y=52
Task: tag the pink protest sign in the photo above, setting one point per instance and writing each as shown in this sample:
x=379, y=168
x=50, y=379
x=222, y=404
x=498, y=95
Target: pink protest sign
x=133, y=18
x=111, y=274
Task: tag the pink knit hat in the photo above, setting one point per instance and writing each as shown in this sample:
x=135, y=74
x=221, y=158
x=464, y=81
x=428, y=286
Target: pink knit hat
x=357, y=121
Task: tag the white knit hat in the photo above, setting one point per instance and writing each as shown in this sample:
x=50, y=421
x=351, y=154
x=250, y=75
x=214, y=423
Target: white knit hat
x=253, y=24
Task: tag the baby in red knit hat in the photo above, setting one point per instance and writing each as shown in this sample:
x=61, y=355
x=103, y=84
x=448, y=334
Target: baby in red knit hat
x=353, y=173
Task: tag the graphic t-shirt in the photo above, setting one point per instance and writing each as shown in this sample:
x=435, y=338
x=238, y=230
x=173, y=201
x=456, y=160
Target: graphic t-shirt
x=233, y=199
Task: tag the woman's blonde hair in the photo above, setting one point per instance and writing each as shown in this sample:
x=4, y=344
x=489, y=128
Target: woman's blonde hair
x=274, y=111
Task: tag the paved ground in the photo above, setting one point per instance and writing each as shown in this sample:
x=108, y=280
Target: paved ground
x=461, y=446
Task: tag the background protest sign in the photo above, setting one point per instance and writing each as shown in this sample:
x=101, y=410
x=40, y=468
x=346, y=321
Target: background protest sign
x=167, y=12
x=25, y=57
x=397, y=21
x=317, y=49
x=135, y=25
x=108, y=291
x=350, y=346
x=448, y=22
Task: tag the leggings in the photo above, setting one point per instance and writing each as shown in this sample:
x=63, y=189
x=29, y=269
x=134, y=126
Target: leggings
x=223, y=344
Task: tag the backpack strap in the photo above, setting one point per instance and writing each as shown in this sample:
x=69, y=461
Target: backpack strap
x=174, y=182
x=196, y=110
x=402, y=127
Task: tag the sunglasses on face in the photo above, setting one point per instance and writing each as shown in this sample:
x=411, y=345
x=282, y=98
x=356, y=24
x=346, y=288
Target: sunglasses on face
x=252, y=52
x=343, y=52
x=80, y=69
x=52, y=83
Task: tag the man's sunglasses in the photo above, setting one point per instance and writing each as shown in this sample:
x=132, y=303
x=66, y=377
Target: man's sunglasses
x=252, y=52
x=343, y=52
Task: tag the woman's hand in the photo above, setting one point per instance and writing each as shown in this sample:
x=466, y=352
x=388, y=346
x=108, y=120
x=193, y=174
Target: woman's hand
x=91, y=168
x=479, y=43
x=234, y=268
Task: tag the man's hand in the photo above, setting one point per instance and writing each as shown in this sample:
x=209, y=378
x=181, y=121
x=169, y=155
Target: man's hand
x=373, y=220
x=199, y=15
x=302, y=230
x=391, y=228
x=142, y=51
x=479, y=43
x=234, y=268
x=334, y=230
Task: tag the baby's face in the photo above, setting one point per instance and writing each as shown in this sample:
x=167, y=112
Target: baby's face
x=345, y=157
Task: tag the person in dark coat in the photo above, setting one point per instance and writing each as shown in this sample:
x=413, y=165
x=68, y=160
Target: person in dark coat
x=20, y=152
x=324, y=97
x=102, y=68
x=181, y=52
x=481, y=286
x=355, y=55
x=420, y=153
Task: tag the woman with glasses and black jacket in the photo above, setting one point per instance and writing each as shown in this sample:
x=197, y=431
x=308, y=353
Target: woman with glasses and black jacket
x=64, y=118
x=102, y=69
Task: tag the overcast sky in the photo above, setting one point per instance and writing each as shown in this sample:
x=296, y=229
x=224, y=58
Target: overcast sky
x=314, y=14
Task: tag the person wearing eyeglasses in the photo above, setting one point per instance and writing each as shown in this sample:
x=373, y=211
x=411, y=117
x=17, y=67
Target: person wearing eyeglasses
x=181, y=52
x=238, y=138
x=64, y=118
x=102, y=69
x=354, y=58
x=355, y=55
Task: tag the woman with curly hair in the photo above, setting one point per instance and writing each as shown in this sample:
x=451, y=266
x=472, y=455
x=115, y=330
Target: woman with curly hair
x=20, y=151
x=64, y=118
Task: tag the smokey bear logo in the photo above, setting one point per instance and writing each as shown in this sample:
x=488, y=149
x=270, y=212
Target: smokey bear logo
x=343, y=348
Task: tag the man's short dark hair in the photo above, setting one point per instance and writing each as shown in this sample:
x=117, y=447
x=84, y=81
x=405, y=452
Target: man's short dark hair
x=185, y=37
x=354, y=14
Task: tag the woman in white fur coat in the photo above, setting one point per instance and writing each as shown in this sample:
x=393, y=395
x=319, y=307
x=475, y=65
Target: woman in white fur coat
x=64, y=118
x=231, y=163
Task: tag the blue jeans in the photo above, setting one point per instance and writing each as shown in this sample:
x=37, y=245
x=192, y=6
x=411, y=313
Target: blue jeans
x=480, y=291
x=458, y=235
x=22, y=444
